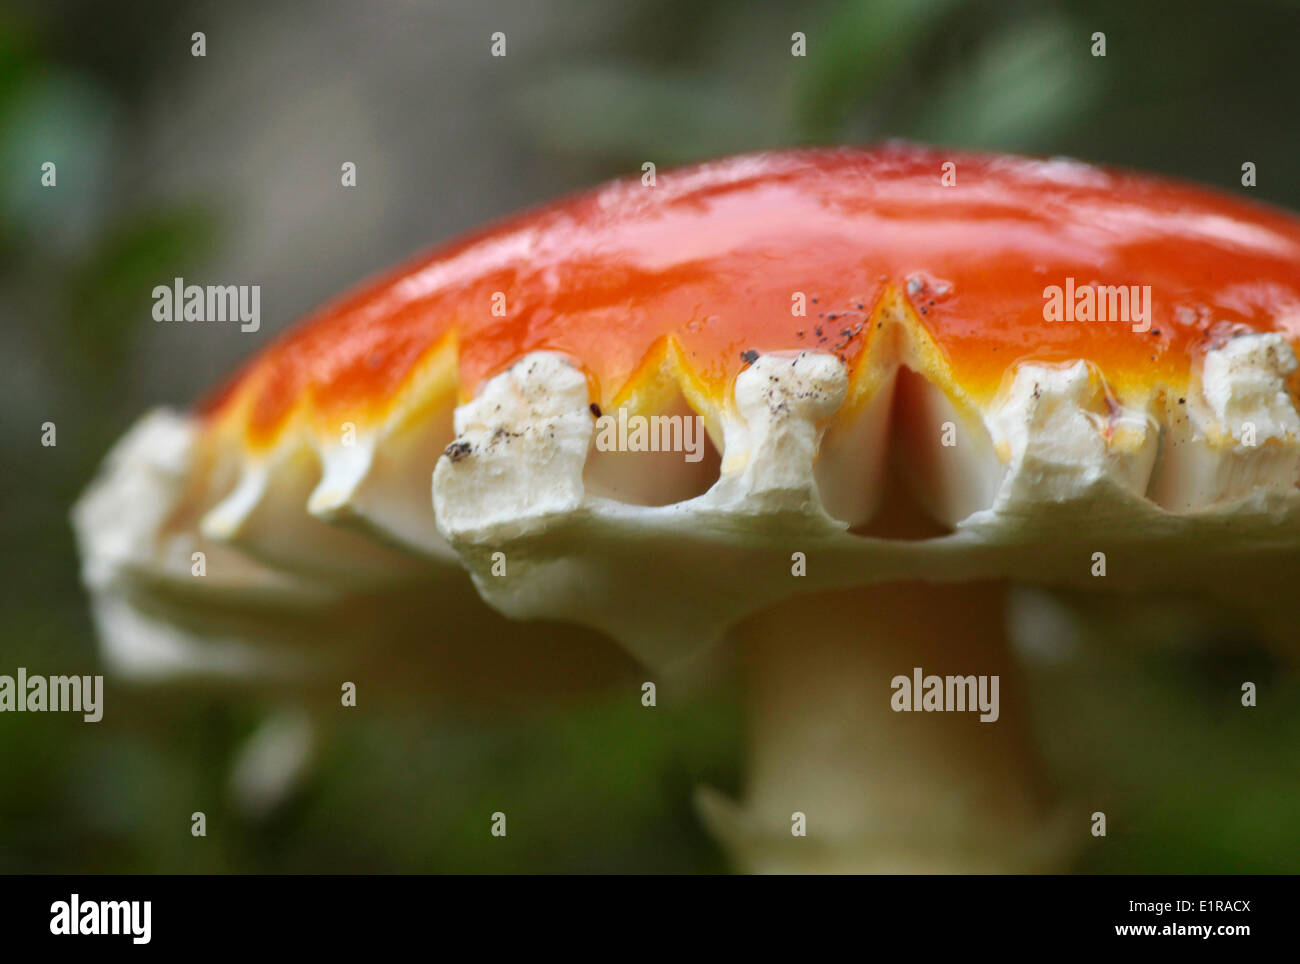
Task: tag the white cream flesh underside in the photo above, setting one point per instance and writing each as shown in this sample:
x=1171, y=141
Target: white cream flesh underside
x=1194, y=493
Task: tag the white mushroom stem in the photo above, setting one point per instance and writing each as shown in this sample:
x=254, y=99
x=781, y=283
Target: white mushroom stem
x=883, y=791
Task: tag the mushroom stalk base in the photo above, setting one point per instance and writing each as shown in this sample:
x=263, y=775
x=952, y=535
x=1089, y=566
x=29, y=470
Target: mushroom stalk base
x=880, y=790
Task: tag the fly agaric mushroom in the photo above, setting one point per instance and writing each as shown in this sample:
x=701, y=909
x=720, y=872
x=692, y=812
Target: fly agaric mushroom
x=919, y=393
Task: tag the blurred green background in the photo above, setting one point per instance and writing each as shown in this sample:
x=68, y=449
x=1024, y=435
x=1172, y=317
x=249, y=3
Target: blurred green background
x=227, y=167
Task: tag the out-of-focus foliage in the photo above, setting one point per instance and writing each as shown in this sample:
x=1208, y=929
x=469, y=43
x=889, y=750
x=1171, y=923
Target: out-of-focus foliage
x=1191, y=88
